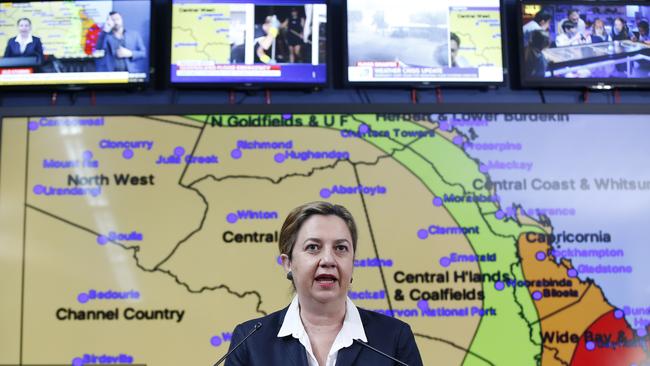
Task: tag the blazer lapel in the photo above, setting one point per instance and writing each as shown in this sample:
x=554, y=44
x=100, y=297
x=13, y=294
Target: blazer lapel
x=294, y=351
x=290, y=346
x=348, y=355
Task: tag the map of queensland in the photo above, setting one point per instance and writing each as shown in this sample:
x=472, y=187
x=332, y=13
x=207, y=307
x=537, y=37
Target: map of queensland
x=146, y=239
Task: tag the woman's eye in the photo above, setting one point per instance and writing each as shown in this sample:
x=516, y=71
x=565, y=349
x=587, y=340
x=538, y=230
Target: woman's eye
x=311, y=247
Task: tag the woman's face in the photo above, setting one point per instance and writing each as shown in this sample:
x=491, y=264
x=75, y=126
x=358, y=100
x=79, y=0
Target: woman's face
x=618, y=25
x=24, y=27
x=322, y=259
x=599, y=26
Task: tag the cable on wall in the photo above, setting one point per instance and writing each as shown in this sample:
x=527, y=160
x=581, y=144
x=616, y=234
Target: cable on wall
x=414, y=96
x=542, y=96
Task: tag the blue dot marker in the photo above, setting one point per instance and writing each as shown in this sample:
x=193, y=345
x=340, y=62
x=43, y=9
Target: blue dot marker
x=77, y=361
x=499, y=286
x=540, y=256
x=82, y=298
x=422, y=234
x=483, y=168
x=87, y=155
x=279, y=260
x=572, y=273
x=445, y=261
x=500, y=215
x=325, y=193
x=33, y=126
x=537, y=296
x=215, y=341
x=590, y=346
x=102, y=240
x=458, y=140
x=179, y=151
x=437, y=202
x=231, y=218
x=39, y=189
x=619, y=314
x=279, y=158
x=287, y=116
x=236, y=154
x=363, y=128
x=127, y=154
x=641, y=332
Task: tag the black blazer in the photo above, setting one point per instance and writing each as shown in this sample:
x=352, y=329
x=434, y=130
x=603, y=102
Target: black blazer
x=264, y=348
x=35, y=48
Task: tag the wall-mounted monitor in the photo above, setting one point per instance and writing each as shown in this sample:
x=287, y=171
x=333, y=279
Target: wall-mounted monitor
x=74, y=43
x=592, y=44
x=413, y=42
x=249, y=43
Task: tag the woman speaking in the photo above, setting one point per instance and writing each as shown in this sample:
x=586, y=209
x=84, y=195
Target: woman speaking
x=321, y=326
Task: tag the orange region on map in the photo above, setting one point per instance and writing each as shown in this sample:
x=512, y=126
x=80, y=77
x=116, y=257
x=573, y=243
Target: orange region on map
x=563, y=318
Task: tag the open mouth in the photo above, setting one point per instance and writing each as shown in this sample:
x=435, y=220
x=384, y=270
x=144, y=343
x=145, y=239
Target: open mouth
x=326, y=279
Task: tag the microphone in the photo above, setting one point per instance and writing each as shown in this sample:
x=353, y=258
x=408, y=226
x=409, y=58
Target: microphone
x=380, y=352
x=257, y=326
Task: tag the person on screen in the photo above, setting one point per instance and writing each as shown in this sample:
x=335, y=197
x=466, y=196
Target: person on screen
x=24, y=44
x=535, y=63
x=454, y=47
x=598, y=32
x=541, y=21
x=643, y=32
x=295, y=26
x=620, y=30
x=318, y=244
x=573, y=15
x=571, y=36
x=122, y=48
x=265, y=36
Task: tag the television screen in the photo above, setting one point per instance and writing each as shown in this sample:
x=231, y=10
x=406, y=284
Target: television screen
x=415, y=41
x=74, y=42
x=249, y=42
x=584, y=44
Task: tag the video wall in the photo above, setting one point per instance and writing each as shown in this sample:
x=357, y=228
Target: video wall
x=144, y=239
x=75, y=42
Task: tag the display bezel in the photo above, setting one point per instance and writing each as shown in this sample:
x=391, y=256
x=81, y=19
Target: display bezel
x=257, y=85
x=426, y=84
x=64, y=86
x=573, y=83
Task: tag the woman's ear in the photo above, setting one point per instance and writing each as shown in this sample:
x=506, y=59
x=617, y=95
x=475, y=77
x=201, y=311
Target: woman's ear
x=286, y=263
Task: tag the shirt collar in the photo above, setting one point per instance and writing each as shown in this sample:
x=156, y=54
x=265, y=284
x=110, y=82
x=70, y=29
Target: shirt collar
x=28, y=40
x=352, y=325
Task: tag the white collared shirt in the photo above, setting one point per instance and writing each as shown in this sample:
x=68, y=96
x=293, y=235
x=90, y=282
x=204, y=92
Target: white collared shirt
x=352, y=329
x=23, y=42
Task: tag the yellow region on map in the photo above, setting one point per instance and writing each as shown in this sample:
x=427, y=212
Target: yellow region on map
x=58, y=24
x=480, y=36
x=200, y=32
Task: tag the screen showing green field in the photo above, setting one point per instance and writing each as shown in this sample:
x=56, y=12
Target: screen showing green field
x=502, y=239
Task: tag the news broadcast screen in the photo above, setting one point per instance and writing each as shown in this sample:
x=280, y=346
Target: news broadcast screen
x=249, y=42
x=444, y=41
x=573, y=42
x=74, y=42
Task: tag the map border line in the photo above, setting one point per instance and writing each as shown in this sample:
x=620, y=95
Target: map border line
x=22, y=277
